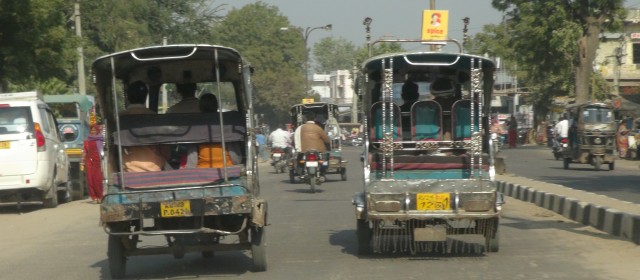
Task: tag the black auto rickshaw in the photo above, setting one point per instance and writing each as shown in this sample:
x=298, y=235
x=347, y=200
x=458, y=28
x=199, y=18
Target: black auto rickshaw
x=592, y=135
x=326, y=117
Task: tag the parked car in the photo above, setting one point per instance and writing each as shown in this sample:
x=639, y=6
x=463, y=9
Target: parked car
x=33, y=166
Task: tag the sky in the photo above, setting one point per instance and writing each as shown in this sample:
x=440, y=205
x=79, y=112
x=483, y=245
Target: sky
x=396, y=18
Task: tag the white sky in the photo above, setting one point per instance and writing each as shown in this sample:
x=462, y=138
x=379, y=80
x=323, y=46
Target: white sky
x=399, y=18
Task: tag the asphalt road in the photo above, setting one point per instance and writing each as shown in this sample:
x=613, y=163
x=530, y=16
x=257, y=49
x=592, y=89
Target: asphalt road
x=312, y=236
x=537, y=162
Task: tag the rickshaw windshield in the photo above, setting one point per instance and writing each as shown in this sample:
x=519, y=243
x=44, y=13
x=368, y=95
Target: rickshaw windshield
x=597, y=115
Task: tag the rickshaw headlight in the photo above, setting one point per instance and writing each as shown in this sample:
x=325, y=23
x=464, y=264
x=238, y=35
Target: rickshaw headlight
x=597, y=140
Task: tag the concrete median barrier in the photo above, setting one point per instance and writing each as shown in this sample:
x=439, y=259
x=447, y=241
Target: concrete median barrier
x=613, y=216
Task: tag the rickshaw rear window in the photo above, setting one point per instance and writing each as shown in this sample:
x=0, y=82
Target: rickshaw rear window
x=597, y=115
x=65, y=110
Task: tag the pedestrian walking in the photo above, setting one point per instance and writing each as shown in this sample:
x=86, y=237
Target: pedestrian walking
x=261, y=142
x=92, y=162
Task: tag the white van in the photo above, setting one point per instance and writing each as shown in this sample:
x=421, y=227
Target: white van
x=33, y=166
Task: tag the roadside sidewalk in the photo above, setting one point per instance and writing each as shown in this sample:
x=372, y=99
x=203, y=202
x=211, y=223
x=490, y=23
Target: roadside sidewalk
x=616, y=217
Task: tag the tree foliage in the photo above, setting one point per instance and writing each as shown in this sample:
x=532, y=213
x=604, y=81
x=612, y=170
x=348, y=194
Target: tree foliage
x=552, y=43
x=36, y=46
x=277, y=55
x=334, y=54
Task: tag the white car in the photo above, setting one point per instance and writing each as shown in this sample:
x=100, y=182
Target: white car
x=33, y=165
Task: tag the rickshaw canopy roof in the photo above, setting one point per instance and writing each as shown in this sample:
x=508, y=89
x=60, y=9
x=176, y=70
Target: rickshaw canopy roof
x=195, y=58
x=423, y=60
x=84, y=101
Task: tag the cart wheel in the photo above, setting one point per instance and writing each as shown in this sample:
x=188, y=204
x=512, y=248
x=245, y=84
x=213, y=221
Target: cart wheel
x=363, y=233
x=258, y=250
x=117, y=259
x=611, y=165
x=566, y=163
x=52, y=200
x=292, y=177
x=343, y=174
x=597, y=163
x=207, y=254
x=312, y=183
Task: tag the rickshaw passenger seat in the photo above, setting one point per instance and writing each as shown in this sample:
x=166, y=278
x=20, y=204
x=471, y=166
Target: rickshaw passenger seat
x=377, y=135
x=461, y=120
x=426, y=121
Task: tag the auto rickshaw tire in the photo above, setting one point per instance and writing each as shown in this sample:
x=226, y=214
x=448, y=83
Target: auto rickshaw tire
x=566, y=162
x=52, y=200
x=292, y=177
x=117, y=258
x=258, y=248
x=597, y=163
x=492, y=239
x=364, y=234
x=343, y=174
x=611, y=165
x=80, y=192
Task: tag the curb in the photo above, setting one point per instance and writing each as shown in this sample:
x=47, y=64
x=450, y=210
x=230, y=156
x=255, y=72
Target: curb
x=609, y=220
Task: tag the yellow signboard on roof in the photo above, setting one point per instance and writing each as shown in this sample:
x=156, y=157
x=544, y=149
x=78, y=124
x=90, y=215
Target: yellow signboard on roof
x=435, y=24
x=307, y=100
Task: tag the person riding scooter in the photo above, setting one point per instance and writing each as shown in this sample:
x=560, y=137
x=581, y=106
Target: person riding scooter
x=561, y=131
x=310, y=136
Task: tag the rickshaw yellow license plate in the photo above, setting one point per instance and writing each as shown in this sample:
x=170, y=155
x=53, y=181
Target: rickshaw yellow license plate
x=433, y=201
x=5, y=144
x=175, y=208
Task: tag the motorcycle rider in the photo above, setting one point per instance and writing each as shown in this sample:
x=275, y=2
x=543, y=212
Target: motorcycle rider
x=311, y=137
x=561, y=131
x=280, y=139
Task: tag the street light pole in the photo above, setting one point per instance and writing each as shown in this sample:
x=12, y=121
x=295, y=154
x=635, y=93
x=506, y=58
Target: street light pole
x=305, y=36
x=78, y=26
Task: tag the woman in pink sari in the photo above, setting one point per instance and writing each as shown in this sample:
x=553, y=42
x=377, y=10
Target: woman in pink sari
x=92, y=150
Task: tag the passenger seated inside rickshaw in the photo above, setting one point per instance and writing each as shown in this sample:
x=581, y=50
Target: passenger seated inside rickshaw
x=167, y=130
x=211, y=155
x=446, y=93
x=392, y=116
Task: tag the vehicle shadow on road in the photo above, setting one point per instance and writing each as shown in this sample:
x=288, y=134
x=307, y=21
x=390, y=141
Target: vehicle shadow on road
x=25, y=208
x=453, y=247
x=552, y=223
x=193, y=265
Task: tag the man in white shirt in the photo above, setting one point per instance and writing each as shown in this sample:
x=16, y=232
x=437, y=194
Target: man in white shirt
x=280, y=138
x=562, y=128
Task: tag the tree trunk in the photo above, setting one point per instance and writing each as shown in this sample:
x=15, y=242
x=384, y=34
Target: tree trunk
x=588, y=45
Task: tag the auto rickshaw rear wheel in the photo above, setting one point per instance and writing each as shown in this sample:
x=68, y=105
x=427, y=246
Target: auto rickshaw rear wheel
x=343, y=174
x=117, y=258
x=292, y=177
x=258, y=250
x=611, y=165
x=364, y=234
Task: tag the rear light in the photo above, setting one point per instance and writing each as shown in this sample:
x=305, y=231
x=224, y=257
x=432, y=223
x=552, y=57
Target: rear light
x=4, y=106
x=564, y=140
x=40, y=141
x=312, y=157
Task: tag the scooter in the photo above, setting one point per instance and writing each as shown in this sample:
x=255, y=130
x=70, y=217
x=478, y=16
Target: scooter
x=313, y=169
x=279, y=159
x=559, y=147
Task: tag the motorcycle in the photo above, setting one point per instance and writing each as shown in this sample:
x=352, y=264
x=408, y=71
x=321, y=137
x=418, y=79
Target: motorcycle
x=279, y=159
x=357, y=141
x=313, y=166
x=559, y=147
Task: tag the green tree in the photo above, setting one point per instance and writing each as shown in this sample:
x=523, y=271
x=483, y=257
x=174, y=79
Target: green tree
x=36, y=47
x=277, y=55
x=334, y=54
x=541, y=31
